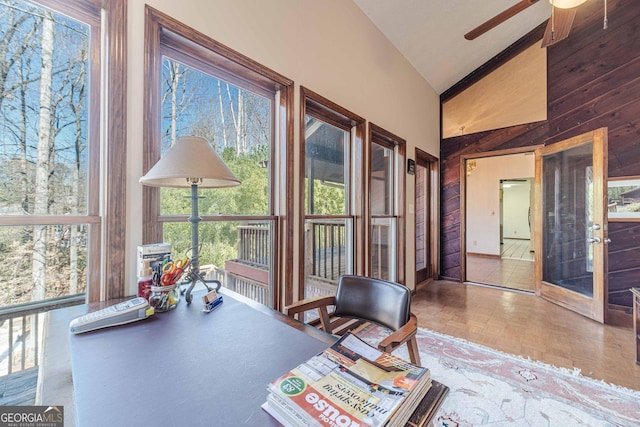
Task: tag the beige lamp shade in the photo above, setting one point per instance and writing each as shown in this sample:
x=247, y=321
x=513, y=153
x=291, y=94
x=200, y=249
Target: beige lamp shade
x=191, y=160
x=566, y=4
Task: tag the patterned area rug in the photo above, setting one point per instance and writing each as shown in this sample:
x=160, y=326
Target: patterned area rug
x=491, y=388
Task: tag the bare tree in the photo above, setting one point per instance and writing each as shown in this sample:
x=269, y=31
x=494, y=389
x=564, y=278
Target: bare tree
x=41, y=200
x=10, y=50
x=221, y=104
x=15, y=42
x=238, y=120
x=179, y=98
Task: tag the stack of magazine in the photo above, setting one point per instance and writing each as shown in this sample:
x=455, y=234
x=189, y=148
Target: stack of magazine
x=349, y=384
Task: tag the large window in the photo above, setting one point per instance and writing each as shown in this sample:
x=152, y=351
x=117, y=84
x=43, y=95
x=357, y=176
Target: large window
x=52, y=136
x=205, y=89
x=238, y=124
x=386, y=203
x=333, y=194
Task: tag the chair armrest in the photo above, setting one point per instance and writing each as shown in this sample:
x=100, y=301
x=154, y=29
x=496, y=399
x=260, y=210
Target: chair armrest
x=401, y=336
x=319, y=303
x=309, y=304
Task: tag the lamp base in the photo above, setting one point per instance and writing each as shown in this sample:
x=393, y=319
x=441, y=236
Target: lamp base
x=193, y=278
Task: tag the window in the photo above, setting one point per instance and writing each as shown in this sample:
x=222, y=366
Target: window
x=56, y=233
x=333, y=194
x=426, y=209
x=203, y=88
x=386, y=198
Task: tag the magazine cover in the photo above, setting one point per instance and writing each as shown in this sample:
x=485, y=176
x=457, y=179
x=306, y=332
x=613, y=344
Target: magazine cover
x=349, y=384
x=381, y=370
x=333, y=401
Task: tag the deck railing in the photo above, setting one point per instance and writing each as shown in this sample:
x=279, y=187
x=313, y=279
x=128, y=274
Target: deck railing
x=382, y=248
x=251, y=289
x=21, y=332
x=21, y=325
x=326, y=258
x=254, y=244
x=327, y=253
x=326, y=249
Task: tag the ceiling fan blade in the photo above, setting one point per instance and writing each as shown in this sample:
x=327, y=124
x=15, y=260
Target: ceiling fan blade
x=499, y=19
x=558, y=26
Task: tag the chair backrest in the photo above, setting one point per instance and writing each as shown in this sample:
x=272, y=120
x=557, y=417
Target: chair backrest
x=385, y=303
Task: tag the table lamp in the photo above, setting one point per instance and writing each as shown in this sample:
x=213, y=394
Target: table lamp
x=191, y=162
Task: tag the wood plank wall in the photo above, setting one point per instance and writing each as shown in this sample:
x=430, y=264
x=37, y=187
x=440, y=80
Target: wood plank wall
x=593, y=82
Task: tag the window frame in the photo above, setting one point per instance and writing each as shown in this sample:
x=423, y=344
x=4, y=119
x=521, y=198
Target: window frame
x=321, y=108
x=106, y=209
x=430, y=206
x=380, y=136
x=165, y=35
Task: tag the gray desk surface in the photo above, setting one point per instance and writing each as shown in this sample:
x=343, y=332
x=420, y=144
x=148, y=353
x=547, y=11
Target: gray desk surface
x=183, y=367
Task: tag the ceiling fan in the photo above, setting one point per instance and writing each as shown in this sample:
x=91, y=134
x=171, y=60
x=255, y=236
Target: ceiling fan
x=558, y=27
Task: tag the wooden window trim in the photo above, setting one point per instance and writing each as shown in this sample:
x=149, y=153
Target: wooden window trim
x=393, y=142
x=321, y=108
x=166, y=35
x=328, y=111
x=116, y=213
x=432, y=166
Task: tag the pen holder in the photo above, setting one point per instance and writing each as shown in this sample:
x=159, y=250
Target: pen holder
x=164, y=298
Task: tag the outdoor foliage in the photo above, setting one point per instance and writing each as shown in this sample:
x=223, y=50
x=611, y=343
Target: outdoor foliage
x=45, y=66
x=622, y=203
x=237, y=124
x=43, y=150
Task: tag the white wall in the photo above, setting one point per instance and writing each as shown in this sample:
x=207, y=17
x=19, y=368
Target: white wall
x=516, y=200
x=328, y=46
x=483, y=199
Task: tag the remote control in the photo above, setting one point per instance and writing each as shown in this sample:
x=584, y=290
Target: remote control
x=117, y=314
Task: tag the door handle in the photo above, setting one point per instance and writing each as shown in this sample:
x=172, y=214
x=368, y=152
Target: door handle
x=594, y=240
x=607, y=240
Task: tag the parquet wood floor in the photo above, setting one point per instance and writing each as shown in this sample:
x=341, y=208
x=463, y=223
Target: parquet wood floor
x=507, y=273
x=526, y=325
x=514, y=269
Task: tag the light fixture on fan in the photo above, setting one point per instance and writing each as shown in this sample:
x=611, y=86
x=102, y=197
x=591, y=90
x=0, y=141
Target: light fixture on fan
x=562, y=14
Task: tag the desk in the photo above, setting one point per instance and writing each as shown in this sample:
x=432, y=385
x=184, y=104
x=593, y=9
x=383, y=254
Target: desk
x=183, y=367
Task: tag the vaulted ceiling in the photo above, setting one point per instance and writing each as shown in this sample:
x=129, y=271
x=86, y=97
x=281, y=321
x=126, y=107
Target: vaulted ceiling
x=430, y=33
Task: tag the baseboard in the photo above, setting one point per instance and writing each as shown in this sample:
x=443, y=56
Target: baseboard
x=484, y=255
x=619, y=315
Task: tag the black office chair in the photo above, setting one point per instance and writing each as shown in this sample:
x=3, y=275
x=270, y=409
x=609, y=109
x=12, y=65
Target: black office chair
x=361, y=299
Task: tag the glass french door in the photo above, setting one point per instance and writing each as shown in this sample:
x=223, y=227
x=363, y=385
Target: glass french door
x=572, y=243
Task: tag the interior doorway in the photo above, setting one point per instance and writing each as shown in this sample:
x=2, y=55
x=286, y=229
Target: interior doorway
x=499, y=201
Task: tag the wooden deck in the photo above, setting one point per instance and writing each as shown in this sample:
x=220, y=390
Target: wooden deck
x=19, y=388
